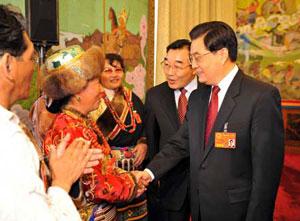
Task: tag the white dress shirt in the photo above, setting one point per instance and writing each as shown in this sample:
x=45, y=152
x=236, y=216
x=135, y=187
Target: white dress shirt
x=224, y=85
x=193, y=85
x=22, y=193
x=189, y=89
x=109, y=93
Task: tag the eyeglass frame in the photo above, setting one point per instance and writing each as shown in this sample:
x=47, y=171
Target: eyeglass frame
x=174, y=67
x=197, y=57
x=34, y=59
x=113, y=69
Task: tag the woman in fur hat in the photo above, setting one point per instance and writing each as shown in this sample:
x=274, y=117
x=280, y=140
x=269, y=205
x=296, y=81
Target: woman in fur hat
x=72, y=80
x=120, y=116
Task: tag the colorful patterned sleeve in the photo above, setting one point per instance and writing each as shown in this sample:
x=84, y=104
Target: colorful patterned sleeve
x=107, y=182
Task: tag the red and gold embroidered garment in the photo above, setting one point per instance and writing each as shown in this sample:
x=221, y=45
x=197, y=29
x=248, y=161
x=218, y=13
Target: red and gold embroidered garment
x=107, y=182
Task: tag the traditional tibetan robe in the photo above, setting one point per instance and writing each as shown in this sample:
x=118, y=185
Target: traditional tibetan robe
x=120, y=117
x=107, y=183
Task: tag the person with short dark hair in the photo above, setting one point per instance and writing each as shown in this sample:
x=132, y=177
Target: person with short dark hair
x=233, y=184
x=30, y=190
x=168, y=197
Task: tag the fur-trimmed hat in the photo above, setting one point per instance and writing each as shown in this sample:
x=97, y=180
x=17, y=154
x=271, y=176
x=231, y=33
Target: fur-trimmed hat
x=67, y=71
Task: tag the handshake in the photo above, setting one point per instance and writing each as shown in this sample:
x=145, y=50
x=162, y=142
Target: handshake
x=143, y=179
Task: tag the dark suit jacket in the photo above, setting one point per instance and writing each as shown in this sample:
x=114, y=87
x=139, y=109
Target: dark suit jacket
x=162, y=123
x=231, y=184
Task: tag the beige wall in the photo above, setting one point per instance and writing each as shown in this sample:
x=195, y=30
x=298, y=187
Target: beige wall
x=177, y=17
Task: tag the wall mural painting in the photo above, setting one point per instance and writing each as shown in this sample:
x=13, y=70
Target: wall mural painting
x=269, y=43
x=118, y=26
x=114, y=35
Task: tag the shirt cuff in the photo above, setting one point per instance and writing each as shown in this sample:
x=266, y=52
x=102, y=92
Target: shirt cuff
x=62, y=203
x=150, y=173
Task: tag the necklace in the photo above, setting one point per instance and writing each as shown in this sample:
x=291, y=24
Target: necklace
x=130, y=128
x=106, y=166
x=89, y=123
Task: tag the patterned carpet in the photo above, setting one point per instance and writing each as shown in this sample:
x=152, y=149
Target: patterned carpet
x=287, y=206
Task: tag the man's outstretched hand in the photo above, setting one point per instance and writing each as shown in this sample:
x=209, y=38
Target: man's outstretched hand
x=143, y=179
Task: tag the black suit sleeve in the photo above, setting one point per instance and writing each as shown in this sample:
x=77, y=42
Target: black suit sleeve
x=267, y=149
x=140, y=108
x=173, y=152
x=152, y=129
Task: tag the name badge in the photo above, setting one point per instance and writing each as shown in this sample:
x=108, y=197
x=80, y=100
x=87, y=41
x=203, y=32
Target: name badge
x=225, y=140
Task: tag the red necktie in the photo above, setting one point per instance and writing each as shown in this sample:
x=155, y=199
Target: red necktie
x=211, y=112
x=182, y=105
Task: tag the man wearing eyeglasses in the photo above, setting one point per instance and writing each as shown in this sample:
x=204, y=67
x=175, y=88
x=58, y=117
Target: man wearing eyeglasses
x=166, y=107
x=230, y=183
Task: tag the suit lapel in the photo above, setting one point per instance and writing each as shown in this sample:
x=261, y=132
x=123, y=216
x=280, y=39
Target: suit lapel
x=199, y=85
x=224, y=112
x=168, y=102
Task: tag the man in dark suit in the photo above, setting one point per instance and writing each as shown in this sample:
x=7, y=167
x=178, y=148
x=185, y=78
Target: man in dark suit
x=168, y=197
x=238, y=183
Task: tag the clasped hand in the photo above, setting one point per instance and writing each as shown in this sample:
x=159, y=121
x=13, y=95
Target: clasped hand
x=143, y=179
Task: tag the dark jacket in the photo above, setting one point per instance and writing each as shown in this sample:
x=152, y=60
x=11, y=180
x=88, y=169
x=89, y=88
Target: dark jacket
x=231, y=184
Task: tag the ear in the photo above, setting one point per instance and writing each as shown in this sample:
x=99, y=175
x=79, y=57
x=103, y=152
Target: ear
x=223, y=53
x=7, y=67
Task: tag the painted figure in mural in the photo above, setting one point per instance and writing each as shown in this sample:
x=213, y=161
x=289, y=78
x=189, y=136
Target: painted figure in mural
x=113, y=19
x=26, y=193
x=270, y=7
x=168, y=197
x=120, y=116
x=121, y=30
x=289, y=74
x=238, y=183
x=252, y=13
x=121, y=40
x=72, y=80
